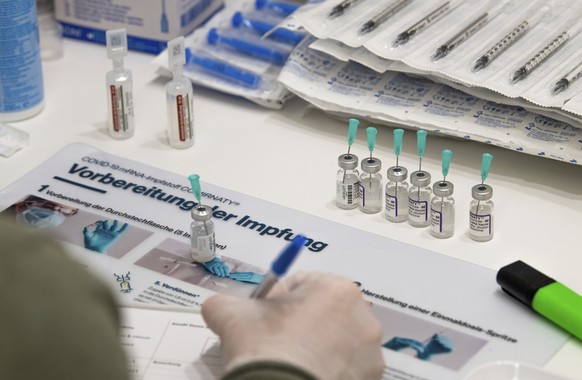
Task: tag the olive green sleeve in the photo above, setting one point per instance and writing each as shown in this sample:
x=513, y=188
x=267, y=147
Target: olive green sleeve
x=57, y=321
x=267, y=370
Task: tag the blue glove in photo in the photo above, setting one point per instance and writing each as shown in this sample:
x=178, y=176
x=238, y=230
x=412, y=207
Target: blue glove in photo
x=250, y=277
x=104, y=235
x=217, y=267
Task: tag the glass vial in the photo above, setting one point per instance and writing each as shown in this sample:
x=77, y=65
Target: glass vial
x=347, y=188
x=419, y=199
x=371, y=186
x=442, y=210
x=202, y=234
x=119, y=81
x=481, y=213
x=397, y=194
x=179, y=98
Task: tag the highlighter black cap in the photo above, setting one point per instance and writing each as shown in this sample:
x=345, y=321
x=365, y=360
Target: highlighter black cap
x=522, y=281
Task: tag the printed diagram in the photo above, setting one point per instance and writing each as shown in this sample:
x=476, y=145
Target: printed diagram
x=76, y=226
x=431, y=342
x=172, y=258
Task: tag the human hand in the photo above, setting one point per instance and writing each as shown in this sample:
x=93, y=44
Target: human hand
x=217, y=267
x=317, y=322
x=104, y=235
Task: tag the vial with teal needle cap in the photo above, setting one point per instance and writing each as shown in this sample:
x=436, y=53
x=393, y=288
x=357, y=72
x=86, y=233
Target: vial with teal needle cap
x=203, y=241
x=371, y=179
x=347, y=189
x=442, y=206
x=481, y=207
x=179, y=96
x=120, y=123
x=397, y=188
x=420, y=191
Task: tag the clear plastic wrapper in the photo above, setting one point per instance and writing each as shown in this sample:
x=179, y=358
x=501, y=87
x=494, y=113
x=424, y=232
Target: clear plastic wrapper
x=348, y=88
x=11, y=140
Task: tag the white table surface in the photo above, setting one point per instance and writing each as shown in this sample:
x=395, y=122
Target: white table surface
x=289, y=157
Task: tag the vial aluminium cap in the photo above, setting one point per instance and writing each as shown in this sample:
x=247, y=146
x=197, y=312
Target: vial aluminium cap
x=443, y=189
x=371, y=165
x=201, y=213
x=397, y=174
x=420, y=178
x=347, y=161
x=482, y=192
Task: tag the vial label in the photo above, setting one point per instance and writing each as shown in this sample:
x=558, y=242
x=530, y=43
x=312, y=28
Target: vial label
x=184, y=118
x=349, y=194
x=121, y=108
x=417, y=210
x=480, y=225
x=391, y=205
x=205, y=247
x=436, y=220
x=21, y=84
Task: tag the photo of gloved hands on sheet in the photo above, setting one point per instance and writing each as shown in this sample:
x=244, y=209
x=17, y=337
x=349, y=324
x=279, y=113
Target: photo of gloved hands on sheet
x=221, y=274
x=72, y=224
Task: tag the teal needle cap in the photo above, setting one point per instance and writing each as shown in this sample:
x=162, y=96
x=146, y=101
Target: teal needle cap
x=195, y=183
x=421, y=141
x=485, y=165
x=398, y=134
x=447, y=155
x=371, y=131
x=352, y=130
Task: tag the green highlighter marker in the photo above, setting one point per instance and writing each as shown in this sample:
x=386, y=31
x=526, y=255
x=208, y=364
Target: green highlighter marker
x=545, y=295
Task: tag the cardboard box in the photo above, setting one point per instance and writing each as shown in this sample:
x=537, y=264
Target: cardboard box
x=149, y=23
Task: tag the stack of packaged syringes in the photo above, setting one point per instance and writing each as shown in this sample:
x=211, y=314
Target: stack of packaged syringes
x=241, y=52
x=502, y=72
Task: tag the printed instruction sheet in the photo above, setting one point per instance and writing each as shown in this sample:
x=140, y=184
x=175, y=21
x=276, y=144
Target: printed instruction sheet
x=441, y=316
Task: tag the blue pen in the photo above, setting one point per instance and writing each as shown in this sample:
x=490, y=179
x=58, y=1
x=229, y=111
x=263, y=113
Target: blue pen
x=261, y=28
x=279, y=266
x=247, y=47
x=280, y=7
x=224, y=70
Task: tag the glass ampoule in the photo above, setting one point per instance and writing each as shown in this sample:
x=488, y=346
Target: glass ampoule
x=442, y=210
x=396, y=194
x=120, y=124
x=419, y=199
x=481, y=213
x=347, y=194
x=203, y=243
x=371, y=186
x=179, y=97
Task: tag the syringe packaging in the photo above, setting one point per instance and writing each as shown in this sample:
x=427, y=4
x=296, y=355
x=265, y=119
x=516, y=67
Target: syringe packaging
x=508, y=33
x=231, y=54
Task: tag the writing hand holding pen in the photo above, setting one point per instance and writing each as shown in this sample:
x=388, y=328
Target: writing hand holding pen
x=317, y=322
x=104, y=236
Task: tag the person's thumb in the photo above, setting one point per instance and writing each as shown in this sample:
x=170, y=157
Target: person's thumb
x=218, y=310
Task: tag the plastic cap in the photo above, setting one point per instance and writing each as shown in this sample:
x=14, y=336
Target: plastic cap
x=259, y=4
x=371, y=131
x=352, y=130
x=447, y=155
x=283, y=262
x=421, y=141
x=176, y=52
x=116, y=43
x=398, y=134
x=212, y=36
x=237, y=19
x=522, y=281
x=195, y=183
x=485, y=165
